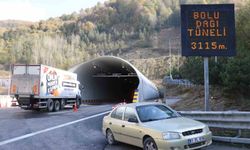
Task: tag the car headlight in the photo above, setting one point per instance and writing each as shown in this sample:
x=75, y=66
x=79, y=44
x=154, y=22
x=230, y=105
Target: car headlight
x=171, y=135
x=206, y=129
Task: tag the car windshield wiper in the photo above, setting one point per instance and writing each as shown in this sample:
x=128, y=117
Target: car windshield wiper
x=172, y=117
x=147, y=120
x=155, y=119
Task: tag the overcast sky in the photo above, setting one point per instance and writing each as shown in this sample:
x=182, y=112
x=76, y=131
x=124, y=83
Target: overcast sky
x=35, y=10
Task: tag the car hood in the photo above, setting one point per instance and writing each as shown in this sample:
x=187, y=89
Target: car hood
x=179, y=124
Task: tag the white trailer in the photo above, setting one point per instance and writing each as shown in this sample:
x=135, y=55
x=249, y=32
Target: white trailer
x=44, y=87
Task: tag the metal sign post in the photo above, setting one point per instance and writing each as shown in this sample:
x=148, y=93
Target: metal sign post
x=206, y=84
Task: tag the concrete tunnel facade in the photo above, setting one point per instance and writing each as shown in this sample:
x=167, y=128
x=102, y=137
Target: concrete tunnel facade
x=112, y=79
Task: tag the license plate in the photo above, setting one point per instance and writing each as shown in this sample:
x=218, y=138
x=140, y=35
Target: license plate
x=196, y=140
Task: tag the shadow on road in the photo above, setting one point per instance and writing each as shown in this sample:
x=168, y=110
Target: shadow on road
x=121, y=146
x=29, y=114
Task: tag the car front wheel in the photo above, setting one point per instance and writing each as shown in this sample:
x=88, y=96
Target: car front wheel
x=110, y=137
x=149, y=144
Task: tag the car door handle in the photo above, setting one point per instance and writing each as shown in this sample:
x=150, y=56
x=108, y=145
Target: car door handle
x=110, y=123
x=123, y=126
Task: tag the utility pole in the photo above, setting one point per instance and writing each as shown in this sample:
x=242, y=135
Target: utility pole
x=9, y=80
x=178, y=55
x=170, y=55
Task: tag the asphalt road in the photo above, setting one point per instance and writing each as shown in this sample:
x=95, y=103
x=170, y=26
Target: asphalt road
x=22, y=130
x=214, y=146
x=86, y=134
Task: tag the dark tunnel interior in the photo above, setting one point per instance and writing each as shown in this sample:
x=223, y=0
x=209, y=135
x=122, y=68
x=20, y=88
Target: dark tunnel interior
x=107, y=80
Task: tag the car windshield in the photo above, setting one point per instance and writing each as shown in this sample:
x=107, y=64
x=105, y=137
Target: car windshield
x=154, y=112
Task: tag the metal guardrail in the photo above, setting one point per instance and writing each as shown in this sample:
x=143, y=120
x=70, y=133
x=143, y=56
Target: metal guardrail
x=183, y=82
x=225, y=120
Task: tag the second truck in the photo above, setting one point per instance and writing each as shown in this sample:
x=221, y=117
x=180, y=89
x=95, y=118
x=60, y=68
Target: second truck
x=39, y=87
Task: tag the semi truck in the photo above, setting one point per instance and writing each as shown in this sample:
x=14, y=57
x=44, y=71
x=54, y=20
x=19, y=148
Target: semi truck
x=37, y=87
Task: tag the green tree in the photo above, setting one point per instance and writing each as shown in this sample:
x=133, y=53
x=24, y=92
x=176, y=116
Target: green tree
x=192, y=69
x=236, y=78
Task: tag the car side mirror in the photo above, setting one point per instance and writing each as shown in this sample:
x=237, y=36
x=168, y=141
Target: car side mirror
x=134, y=120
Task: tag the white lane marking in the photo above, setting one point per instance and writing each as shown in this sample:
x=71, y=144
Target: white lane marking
x=49, y=129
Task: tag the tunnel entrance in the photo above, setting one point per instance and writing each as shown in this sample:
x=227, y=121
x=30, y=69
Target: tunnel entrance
x=107, y=80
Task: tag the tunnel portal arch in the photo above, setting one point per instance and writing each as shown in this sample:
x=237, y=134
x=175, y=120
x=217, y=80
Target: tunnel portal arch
x=112, y=79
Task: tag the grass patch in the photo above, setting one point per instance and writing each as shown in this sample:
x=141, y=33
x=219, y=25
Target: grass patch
x=192, y=98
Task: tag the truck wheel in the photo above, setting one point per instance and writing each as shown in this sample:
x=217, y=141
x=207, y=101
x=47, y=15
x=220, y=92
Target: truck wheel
x=50, y=105
x=56, y=105
x=62, y=104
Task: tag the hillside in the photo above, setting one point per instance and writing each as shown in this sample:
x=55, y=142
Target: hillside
x=192, y=98
x=11, y=24
x=144, y=32
x=132, y=29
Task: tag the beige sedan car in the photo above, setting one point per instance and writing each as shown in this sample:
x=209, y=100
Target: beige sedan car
x=154, y=126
